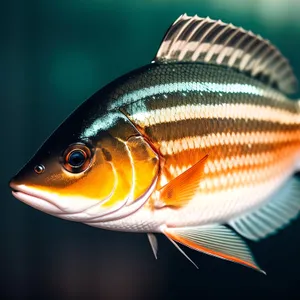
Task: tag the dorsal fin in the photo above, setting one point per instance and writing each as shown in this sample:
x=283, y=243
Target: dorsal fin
x=195, y=39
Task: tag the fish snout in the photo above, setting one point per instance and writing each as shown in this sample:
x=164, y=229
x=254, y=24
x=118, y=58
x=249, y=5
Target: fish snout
x=13, y=184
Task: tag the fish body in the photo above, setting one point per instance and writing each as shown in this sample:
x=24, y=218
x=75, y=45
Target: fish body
x=251, y=134
x=203, y=137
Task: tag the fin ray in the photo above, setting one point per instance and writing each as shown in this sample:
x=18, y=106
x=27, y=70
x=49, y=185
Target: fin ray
x=195, y=39
x=215, y=240
x=275, y=214
x=181, y=251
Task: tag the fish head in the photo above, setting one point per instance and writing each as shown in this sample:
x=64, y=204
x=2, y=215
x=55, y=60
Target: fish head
x=88, y=168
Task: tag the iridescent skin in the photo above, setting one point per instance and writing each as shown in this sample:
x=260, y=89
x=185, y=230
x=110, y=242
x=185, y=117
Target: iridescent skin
x=107, y=122
x=201, y=138
x=151, y=125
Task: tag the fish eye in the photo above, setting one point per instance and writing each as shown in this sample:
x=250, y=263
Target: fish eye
x=39, y=169
x=76, y=158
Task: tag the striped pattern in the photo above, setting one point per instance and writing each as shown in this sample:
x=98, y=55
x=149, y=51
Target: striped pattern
x=220, y=163
x=219, y=111
x=247, y=143
x=251, y=132
x=239, y=170
x=163, y=89
x=195, y=39
x=207, y=126
x=234, y=142
x=237, y=160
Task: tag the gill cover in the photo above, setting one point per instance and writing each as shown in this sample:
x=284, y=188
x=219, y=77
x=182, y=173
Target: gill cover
x=138, y=165
x=135, y=167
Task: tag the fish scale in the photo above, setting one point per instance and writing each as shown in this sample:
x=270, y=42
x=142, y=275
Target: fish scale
x=182, y=128
x=203, y=137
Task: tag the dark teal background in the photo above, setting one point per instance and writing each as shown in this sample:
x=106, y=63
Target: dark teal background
x=54, y=55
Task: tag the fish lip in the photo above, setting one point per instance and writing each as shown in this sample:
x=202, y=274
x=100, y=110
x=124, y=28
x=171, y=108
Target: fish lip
x=33, y=199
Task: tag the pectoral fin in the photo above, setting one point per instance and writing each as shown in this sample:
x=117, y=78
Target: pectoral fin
x=215, y=240
x=179, y=191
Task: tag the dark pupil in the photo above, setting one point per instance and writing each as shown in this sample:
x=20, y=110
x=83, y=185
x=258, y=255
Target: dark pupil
x=76, y=159
x=39, y=169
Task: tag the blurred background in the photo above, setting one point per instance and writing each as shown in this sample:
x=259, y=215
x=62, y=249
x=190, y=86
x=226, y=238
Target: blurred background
x=55, y=54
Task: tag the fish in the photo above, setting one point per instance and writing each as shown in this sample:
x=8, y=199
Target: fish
x=201, y=145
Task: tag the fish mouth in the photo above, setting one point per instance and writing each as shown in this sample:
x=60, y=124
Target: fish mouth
x=33, y=197
x=48, y=203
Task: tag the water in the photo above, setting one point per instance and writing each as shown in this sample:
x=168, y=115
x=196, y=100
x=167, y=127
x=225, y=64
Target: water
x=55, y=54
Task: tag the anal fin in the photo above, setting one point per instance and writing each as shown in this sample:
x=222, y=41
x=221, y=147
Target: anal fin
x=181, y=251
x=215, y=240
x=277, y=212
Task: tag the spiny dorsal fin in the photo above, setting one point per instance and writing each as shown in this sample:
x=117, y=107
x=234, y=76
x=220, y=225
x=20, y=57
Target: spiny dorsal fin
x=195, y=39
